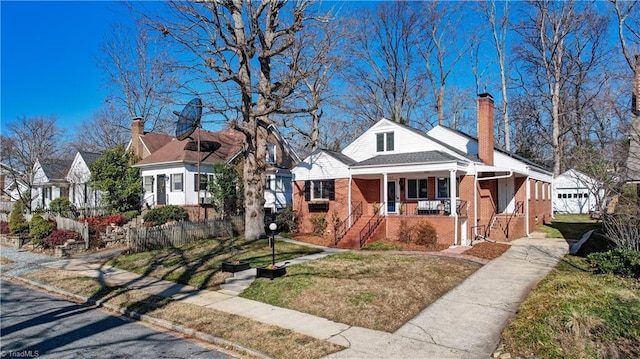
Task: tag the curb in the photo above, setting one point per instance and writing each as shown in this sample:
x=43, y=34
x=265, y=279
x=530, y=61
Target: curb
x=165, y=324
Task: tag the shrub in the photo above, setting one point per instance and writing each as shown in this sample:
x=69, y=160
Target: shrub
x=619, y=261
x=404, y=232
x=17, y=222
x=117, y=219
x=59, y=237
x=425, y=234
x=4, y=227
x=286, y=220
x=161, y=215
x=131, y=214
x=62, y=207
x=319, y=223
x=39, y=228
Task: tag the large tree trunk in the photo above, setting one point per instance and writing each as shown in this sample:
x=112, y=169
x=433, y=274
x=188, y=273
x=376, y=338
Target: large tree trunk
x=254, y=170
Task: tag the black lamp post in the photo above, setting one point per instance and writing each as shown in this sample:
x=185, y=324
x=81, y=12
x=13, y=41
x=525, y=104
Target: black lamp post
x=272, y=243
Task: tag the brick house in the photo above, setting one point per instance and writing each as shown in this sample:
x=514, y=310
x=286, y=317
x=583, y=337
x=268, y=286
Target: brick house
x=462, y=185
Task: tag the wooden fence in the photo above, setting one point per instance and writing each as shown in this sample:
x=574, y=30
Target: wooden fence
x=179, y=233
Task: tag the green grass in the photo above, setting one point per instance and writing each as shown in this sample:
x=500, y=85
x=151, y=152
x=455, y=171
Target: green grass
x=198, y=263
x=381, y=246
x=570, y=226
x=574, y=313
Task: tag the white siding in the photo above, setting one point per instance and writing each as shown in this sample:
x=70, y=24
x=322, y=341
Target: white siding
x=320, y=166
x=454, y=139
x=405, y=140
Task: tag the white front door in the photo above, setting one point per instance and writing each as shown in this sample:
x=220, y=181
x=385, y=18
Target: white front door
x=506, y=195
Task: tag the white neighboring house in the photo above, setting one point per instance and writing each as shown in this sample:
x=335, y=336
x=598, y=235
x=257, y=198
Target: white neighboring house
x=81, y=194
x=170, y=172
x=577, y=193
x=49, y=181
x=12, y=186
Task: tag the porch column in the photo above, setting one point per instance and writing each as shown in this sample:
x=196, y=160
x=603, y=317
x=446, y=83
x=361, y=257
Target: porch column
x=452, y=192
x=385, y=194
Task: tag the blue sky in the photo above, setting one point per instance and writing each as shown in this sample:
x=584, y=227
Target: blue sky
x=48, y=51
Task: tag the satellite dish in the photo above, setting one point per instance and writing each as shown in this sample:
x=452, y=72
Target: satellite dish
x=205, y=146
x=188, y=119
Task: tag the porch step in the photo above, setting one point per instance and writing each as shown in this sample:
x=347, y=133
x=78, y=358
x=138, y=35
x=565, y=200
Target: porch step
x=351, y=239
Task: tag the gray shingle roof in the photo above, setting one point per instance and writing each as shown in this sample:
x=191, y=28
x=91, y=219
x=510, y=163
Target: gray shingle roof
x=56, y=169
x=407, y=158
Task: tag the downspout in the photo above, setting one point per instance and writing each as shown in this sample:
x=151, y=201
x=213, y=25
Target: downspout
x=526, y=206
x=349, y=199
x=475, y=189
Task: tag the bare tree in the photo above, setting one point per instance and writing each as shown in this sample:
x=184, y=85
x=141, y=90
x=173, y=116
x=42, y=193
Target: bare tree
x=628, y=29
x=440, y=51
x=109, y=127
x=30, y=139
x=140, y=76
x=383, y=75
x=315, y=50
x=238, y=50
x=499, y=30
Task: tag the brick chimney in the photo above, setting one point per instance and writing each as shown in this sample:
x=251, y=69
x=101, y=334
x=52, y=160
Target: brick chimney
x=137, y=130
x=485, y=128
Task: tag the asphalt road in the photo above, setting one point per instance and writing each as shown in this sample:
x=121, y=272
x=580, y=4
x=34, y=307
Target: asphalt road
x=35, y=324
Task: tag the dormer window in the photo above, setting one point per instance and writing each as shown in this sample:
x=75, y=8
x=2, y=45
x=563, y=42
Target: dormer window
x=271, y=153
x=384, y=142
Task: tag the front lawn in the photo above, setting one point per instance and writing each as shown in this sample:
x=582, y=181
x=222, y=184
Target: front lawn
x=372, y=290
x=574, y=313
x=573, y=227
x=199, y=263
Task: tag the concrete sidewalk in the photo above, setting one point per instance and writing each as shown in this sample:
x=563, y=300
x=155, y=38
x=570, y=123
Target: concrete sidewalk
x=465, y=323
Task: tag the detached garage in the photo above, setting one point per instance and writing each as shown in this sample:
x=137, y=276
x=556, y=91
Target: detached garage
x=575, y=193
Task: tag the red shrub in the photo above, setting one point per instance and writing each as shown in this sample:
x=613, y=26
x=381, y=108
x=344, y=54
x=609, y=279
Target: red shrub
x=59, y=237
x=118, y=219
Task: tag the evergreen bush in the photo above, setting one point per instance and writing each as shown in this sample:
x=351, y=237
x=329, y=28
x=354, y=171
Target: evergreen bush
x=161, y=215
x=62, y=207
x=17, y=222
x=619, y=261
x=39, y=228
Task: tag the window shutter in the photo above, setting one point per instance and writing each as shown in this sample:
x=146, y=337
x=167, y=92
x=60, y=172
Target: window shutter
x=307, y=190
x=331, y=189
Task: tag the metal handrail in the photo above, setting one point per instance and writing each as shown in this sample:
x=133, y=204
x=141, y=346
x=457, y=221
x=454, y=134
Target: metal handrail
x=343, y=226
x=368, y=229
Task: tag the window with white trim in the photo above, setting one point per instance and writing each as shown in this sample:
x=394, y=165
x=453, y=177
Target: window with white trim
x=417, y=188
x=385, y=142
x=319, y=190
x=283, y=184
x=147, y=183
x=442, y=187
x=176, y=182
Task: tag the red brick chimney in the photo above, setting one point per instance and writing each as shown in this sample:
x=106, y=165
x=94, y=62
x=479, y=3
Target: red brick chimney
x=485, y=128
x=137, y=130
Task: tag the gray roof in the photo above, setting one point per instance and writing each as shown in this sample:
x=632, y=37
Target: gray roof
x=89, y=157
x=341, y=157
x=407, y=158
x=56, y=169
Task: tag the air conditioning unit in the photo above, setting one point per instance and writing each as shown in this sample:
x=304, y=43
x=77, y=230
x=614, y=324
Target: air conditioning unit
x=206, y=200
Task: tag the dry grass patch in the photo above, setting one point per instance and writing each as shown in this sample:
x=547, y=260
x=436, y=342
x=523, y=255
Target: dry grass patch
x=198, y=264
x=375, y=291
x=271, y=340
x=4, y=261
x=574, y=313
